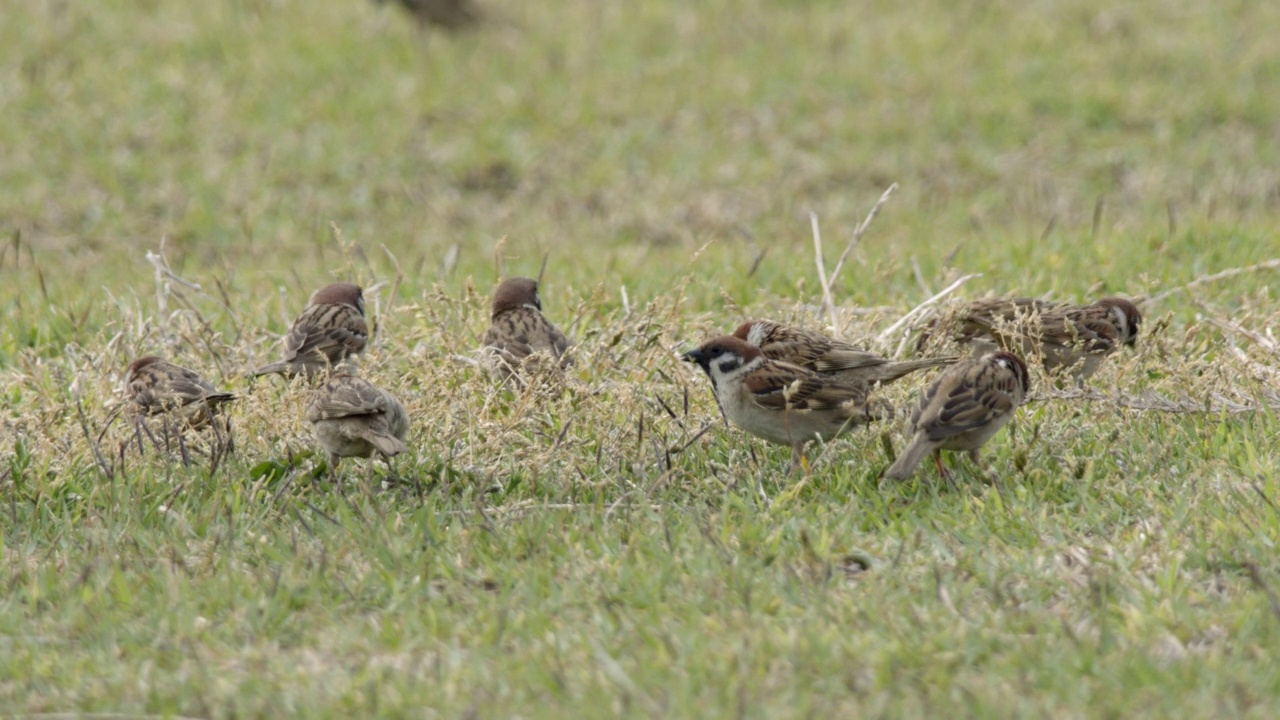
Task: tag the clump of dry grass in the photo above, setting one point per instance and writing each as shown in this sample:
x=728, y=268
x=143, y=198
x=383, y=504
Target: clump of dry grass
x=618, y=420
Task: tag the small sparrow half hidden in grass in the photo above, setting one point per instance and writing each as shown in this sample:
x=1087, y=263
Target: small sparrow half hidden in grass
x=518, y=331
x=1074, y=338
x=155, y=386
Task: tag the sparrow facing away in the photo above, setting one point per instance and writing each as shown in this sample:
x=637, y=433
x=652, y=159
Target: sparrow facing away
x=839, y=361
x=329, y=330
x=780, y=402
x=1072, y=337
x=156, y=386
x=352, y=417
x=968, y=403
x=518, y=331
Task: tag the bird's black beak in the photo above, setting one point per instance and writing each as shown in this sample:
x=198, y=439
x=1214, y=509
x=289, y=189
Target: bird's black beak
x=696, y=356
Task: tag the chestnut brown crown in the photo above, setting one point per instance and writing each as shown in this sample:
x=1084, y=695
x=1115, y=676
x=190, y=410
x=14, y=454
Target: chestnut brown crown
x=341, y=293
x=514, y=293
x=140, y=363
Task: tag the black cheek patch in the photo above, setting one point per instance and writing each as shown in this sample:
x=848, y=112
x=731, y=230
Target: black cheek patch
x=729, y=365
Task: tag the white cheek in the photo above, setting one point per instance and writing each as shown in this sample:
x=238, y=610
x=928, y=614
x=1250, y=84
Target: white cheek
x=728, y=365
x=1121, y=320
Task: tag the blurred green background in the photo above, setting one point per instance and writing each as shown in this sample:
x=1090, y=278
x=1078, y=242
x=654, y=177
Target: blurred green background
x=1058, y=147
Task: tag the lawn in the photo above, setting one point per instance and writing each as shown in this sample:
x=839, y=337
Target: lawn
x=178, y=177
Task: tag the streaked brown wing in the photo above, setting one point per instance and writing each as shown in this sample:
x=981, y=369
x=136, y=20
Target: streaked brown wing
x=509, y=333
x=346, y=396
x=163, y=386
x=847, y=357
x=954, y=405
x=521, y=332
x=1084, y=327
x=790, y=351
x=326, y=333
x=1001, y=316
x=782, y=386
x=188, y=385
x=815, y=351
x=560, y=343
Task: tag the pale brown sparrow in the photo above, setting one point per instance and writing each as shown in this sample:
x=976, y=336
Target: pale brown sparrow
x=968, y=403
x=329, y=330
x=840, y=361
x=780, y=402
x=1064, y=337
x=518, y=331
x=155, y=386
x=352, y=417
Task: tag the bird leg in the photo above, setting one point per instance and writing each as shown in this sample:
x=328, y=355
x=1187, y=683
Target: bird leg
x=942, y=469
x=988, y=470
x=797, y=459
x=334, y=477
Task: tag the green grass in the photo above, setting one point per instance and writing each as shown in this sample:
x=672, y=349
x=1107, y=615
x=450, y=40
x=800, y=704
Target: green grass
x=559, y=554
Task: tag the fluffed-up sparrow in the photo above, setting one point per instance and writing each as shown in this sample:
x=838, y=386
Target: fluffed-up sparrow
x=780, y=402
x=155, y=386
x=1064, y=337
x=329, y=330
x=964, y=407
x=351, y=417
x=518, y=331
x=838, y=360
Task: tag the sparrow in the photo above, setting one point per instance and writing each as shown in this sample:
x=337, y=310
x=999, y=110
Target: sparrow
x=155, y=386
x=451, y=15
x=1072, y=337
x=329, y=330
x=968, y=403
x=777, y=401
x=351, y=417
x=518, y=331
x=839, y=361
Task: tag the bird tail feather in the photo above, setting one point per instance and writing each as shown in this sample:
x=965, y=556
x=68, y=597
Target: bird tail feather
x=906, y=367
x=273, y=368
x=905, y=466
x=386, y=444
